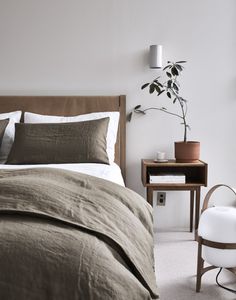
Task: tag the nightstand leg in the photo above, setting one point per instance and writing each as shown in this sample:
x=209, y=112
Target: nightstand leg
x=197, y=209
x=191, y=209
x=150, y=195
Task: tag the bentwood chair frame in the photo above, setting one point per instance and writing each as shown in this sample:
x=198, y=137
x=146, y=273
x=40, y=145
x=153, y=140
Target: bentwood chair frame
x=201, y=241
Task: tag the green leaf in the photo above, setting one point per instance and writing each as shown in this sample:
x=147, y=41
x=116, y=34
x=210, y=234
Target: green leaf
x=169, y=84
x=174, y=71
x=144, y=86
x=163, y=108
x=137, y=106
x=175, y=87
x=129, y=117
x=138, y=111
x=160, y=92
x=168, y=74
x=151, y=88
x=174, y=100
x=179, y=67
x=168, y=94
x=158, y=83
x=181, y=62
x=167, y=67
x=157, y=89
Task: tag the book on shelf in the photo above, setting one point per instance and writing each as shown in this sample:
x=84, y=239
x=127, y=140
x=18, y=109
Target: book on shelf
x=167, y=178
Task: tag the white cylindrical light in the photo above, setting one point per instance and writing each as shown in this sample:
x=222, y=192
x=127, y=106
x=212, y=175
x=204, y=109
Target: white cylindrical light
x=155, y=56
x=218, y=224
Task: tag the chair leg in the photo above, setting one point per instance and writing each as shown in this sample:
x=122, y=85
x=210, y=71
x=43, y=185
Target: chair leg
x=200, y=265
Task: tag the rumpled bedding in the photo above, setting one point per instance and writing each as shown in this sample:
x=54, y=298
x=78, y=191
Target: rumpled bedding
x=65, y=235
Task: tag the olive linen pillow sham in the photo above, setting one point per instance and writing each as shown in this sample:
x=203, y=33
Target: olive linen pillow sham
x=111, y=130
x=3, y=125
x=75, y=142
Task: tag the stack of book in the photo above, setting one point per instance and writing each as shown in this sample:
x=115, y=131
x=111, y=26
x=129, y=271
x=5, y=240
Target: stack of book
x=167, y=178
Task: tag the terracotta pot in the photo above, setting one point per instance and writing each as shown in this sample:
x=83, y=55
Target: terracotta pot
x=187, y=151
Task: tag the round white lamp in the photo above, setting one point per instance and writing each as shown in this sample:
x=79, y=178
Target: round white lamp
x=216, y=236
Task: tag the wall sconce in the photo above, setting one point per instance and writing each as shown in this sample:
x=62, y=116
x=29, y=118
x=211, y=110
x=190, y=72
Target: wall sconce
x=155, y=56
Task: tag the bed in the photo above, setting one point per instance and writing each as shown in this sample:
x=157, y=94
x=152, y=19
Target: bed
x=72, y=230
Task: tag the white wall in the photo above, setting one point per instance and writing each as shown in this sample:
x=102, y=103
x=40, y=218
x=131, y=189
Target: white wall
x=100, y=47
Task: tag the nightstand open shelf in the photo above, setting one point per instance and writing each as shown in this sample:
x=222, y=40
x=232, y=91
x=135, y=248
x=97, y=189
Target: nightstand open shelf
x=195, y=176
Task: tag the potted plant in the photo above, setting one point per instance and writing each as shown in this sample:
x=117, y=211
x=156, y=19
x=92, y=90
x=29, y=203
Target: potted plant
x=185, y=151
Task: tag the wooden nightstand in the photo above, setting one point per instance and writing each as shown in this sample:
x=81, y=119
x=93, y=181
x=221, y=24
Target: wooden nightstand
x=196, y=177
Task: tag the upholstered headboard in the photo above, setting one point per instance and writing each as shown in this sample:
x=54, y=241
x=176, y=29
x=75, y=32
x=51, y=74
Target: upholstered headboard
x=73, y=105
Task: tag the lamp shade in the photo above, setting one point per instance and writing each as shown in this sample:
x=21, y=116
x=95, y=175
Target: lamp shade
x=218, y=224
x=155, y=56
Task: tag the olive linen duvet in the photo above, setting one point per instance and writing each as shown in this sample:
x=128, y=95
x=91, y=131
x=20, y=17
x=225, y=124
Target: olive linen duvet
x=65, y=235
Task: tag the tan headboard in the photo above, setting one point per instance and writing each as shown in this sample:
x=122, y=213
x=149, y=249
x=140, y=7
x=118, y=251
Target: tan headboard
x=73, y=105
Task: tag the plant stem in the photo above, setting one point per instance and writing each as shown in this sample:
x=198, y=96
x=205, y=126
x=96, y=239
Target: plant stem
x=181, y=103
x=184, y=119
x=161, y=109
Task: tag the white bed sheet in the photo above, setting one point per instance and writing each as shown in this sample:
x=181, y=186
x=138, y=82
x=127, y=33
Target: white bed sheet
x=110, y=172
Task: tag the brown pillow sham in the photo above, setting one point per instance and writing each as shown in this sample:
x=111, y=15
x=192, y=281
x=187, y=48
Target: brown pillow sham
x=76, y=142
x=3, y=125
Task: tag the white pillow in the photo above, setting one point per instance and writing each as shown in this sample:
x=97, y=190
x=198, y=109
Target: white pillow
x=111, y=132
x=8, y=138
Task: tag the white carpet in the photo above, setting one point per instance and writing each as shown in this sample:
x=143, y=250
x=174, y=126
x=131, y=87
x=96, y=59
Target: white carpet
x=176, y=266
